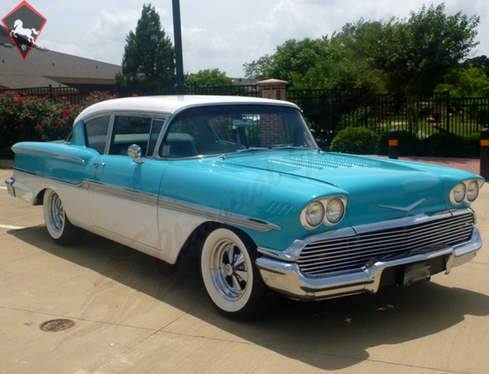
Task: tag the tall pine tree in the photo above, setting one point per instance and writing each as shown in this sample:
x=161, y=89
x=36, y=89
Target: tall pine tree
x=148, y=63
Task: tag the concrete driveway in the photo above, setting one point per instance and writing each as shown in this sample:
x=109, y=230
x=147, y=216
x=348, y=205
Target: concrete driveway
x=133, y=314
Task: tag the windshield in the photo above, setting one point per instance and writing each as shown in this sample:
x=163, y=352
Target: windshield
x=235, y=128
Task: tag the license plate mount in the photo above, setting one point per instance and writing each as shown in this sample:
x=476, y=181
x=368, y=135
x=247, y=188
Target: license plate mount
x=416, y=273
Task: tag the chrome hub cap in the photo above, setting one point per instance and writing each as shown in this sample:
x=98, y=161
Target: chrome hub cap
x=56, y=213
x=229, y=270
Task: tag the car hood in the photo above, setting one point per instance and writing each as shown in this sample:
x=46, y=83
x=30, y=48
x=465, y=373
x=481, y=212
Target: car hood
x=377, y=189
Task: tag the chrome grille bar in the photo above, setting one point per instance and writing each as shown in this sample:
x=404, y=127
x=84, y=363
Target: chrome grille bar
x=320, y=257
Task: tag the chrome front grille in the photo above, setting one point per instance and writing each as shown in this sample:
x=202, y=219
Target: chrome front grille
x=321, y=257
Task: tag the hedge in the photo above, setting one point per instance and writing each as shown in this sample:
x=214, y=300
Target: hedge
x=444, y=144
x=32, y=118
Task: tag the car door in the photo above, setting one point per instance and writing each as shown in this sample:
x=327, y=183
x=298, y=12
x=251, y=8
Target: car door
x=123, y=192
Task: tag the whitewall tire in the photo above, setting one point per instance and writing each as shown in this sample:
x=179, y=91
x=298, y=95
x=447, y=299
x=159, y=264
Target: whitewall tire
x=58, y=225
x=229, y=273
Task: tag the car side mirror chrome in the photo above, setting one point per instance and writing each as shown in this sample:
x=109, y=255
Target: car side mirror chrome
x=134, y=151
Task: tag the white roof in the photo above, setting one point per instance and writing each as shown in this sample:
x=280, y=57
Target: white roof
x=171, y=104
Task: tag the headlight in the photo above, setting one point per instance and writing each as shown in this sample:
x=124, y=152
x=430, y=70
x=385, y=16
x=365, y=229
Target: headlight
x=314, y=214
x=458, y=193
x=328, y=210
x=472, y=191
x=334, y=211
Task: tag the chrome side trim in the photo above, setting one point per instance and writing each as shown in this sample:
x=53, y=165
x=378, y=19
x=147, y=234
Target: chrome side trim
x=50, y=153
x=122, y=192
x=75, y=184
x=217, y=215
x=181, y=206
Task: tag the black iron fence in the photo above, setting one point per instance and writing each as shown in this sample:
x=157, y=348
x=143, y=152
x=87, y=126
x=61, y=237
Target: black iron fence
x=329, y=111
x=72, y=94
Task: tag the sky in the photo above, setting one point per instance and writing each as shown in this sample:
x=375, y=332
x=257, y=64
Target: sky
x=220, y=34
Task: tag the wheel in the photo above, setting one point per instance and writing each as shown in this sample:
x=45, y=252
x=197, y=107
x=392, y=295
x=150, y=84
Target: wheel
x=58, y=225
x=230, y=276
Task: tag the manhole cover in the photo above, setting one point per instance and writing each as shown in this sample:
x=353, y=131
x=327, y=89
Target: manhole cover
x=56, y=325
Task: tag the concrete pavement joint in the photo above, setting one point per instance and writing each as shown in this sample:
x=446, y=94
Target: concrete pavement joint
x=162, y=330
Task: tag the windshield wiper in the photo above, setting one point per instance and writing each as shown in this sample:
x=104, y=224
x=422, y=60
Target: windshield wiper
x=286, y=146
x=252, y=149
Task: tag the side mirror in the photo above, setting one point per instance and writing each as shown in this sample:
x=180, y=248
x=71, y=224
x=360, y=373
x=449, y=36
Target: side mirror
x=134, y=151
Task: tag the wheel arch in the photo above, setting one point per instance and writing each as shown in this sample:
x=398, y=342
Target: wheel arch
x=39, y=199
x=193, y=245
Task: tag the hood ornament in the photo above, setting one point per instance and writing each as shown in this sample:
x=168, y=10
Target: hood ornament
x=403, y=209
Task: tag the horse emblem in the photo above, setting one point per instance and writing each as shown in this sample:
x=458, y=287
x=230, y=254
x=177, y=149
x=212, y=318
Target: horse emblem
x=27, y=33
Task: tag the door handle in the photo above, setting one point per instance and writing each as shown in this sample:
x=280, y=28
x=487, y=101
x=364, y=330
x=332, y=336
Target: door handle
x=96, y=164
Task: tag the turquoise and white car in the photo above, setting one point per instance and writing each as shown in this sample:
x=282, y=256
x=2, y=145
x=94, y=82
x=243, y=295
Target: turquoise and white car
x=240, y=183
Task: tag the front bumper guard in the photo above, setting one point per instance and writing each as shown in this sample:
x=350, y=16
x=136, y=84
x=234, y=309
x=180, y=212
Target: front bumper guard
x=286, y=277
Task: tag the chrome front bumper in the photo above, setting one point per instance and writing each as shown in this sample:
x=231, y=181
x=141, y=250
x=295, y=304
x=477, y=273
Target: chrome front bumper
x=286, y=277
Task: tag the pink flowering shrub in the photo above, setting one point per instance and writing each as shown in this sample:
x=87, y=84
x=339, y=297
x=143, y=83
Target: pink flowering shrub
x=32, y=118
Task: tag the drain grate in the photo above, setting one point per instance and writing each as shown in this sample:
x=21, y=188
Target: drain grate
x=56, y=325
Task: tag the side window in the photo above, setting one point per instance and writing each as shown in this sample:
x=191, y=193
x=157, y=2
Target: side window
x=96, y=130
x=181, y=139
x=130, y=130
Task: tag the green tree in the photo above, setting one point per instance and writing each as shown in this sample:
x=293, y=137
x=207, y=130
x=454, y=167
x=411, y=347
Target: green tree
x=258, y=69
x=292, y=59
x=481, y=62
x=148, y=63
x=209, y=78
x=472, y=82
x=416, y=54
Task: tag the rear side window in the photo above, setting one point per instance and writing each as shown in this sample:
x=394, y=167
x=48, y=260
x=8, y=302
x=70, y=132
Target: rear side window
x=140, y=130
x=96, y=131
x=130, y=130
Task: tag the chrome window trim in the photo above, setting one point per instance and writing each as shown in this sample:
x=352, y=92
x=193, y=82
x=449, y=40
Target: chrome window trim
x=132, y=113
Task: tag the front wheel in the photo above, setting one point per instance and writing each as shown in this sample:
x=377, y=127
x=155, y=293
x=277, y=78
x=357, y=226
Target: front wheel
x=58, y=225
x=230, y=275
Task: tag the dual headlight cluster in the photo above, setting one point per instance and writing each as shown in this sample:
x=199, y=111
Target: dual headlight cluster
x=328, y=210
x=465, y=191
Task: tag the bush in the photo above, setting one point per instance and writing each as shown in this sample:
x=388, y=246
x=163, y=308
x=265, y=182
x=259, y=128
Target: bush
x=474, y=142
x=362, y=141
x=356, y=140
x=446, y=144
x=32, y=118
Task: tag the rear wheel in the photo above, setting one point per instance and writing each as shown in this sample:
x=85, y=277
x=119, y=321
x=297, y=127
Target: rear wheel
x=230, y=276
x=58, y=225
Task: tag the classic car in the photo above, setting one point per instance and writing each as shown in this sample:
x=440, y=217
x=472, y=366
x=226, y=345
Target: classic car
x=241, y=183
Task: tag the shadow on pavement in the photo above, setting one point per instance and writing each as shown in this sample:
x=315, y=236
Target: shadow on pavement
x=330, y=335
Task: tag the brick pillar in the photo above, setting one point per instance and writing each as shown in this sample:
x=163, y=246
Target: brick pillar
x=272, y=89
x=271, y=126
